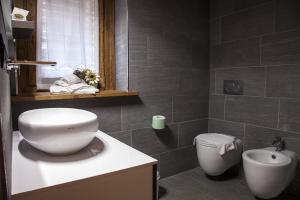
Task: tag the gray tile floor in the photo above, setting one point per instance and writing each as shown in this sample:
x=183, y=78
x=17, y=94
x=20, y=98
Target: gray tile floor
x=195, y=185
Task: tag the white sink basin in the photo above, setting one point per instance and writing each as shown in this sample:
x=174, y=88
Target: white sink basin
x=268, y=172
x=58, y=130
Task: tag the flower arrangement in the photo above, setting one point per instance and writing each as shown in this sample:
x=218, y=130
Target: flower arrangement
x=90, y=77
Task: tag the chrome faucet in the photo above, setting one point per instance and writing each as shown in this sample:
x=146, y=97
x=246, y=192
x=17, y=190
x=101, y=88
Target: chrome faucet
x=14, y=70
x=278, y=143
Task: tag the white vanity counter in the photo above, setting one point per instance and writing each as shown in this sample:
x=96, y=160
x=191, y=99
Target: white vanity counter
x=34, y=170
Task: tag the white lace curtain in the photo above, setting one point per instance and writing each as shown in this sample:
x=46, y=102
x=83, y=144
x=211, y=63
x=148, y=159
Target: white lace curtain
x=68, y=33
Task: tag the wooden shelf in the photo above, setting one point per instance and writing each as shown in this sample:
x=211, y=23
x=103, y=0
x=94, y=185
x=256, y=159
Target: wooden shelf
x=31, y=62
x=42, y=96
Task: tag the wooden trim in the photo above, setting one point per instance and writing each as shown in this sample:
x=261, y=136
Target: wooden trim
x=26, y=49
x=41, y=96
x=30, y=62
x=107, y=43
x=101, y=33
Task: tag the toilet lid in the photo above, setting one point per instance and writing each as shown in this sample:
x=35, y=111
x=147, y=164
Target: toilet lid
x=214, y=139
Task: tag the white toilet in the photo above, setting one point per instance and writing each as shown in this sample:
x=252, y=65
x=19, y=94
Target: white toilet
x=217, y=152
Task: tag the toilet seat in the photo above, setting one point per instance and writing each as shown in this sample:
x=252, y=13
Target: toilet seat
x=213, y=139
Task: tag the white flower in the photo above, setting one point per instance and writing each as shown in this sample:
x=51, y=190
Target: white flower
x=88, y=75
x=91, y=77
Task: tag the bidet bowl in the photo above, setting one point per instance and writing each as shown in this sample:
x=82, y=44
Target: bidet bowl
x=267, y=172
x=58, y=130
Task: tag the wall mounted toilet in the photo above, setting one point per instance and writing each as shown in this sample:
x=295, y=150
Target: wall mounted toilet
x=217, y=152
x=269, y=172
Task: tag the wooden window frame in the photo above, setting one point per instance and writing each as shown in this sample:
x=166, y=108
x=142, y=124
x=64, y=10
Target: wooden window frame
x=26, y=49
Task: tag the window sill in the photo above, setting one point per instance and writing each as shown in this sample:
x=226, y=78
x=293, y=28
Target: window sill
x=42, y=96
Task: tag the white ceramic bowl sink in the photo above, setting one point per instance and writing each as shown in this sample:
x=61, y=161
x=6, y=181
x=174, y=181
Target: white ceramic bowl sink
x=58, y=130
x=268, y=172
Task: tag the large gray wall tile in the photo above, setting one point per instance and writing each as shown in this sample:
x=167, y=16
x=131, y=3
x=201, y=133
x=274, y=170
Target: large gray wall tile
x=280, y=37
x=154, y=81
x=289, y=115
x=137, y=112
x=144, y=14
x=248, y=23
x=165, y=41
x=236, y=54
x=221, y=7
x=216, y=106
x=138, y=49
x=281, y=53
x=180, y=50
x=259, y=137
x=215, y=32
x=189, y=130
x=212, y=81
x=231, y=128
x=163, y=51
x=242, y=4
x=177, y=161
x=109, y=115
x=193, y=81
x=253, y=79
x=283, y=81
x=191, y=107
x=288, y=15
x=152, y=141
x=253, y=110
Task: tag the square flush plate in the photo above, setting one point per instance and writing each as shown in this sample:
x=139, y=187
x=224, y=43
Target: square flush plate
x=233, y=87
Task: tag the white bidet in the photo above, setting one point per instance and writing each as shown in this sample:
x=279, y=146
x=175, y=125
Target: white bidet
x=269, y=172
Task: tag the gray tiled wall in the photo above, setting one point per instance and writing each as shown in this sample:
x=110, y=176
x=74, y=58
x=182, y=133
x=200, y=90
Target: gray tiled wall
x=257, y=42
x=169, y=66
x=5, y=133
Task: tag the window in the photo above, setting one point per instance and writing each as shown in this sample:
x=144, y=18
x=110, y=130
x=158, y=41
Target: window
x=37, y=47
x=68, y=33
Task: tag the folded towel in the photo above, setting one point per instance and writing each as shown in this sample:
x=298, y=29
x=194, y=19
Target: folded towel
x=61, y=83
x=87, y=89
x=70, y=84
x=223, y=148
x=83, y=88
x=56, y=89
x=71, y=79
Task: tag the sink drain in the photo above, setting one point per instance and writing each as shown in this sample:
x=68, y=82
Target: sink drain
x=273, y=156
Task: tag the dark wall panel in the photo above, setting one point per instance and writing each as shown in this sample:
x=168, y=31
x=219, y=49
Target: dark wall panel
x=6, y=134
x=257, y=42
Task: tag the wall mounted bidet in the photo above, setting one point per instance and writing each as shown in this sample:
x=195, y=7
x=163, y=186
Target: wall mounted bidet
x=269, y=171
x=58, y=130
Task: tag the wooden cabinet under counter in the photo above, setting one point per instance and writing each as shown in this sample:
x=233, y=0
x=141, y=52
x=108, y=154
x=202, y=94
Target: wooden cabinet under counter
x=107, y=169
